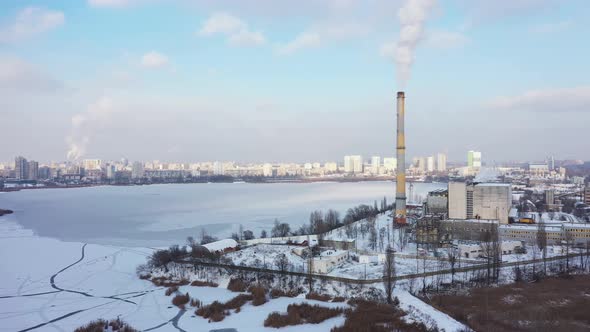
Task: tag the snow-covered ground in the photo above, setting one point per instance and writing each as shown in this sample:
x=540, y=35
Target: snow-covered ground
x=49, y=285
x=265, y=255
x=382, y=225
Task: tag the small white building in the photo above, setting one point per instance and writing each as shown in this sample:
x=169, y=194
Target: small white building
x=328, y=260
x=222, y=246
x=475, y=250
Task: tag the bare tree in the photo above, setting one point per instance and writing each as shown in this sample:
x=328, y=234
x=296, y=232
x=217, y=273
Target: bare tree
x=373, y=237
x=381, y=237
x=263, y=234
x=248, y=235
x=280, y=229
x=452, y=255
x=542, y=243
x=389, y=274
x=568, y=242
x=282, y=262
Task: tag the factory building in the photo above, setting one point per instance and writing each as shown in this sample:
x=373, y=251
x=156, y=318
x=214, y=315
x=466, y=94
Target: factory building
x=555, y=233
x=437, y=201
x=480, y=201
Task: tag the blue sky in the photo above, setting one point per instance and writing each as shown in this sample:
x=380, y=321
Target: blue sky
x=265, y=80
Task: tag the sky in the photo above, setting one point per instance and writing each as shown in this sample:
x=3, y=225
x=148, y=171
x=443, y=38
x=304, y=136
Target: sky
x=293, y=81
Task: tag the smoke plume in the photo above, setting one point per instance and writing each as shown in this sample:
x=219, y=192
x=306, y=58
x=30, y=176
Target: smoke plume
x=412, y=17
x=85, y=124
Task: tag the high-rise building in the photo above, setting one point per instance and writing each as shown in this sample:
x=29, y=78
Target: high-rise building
x=137, y=170
x=218, y=168
x=390, y=164
x=111, y=170
x=353, y=164
x=587, y=194
x=44, y=172
x=267, y=169
x=441, y=162
x=331, y=167
x=21, y=168
x=420, y=163
x=33, y=170
x=551, y=163
x=474, y=159
x=358, y=164
x=91, y=164
x=348, y=166
x=430, y=164
x=375, y=164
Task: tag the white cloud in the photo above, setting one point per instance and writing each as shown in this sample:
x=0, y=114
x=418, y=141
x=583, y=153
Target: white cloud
x=111, y=3
x=237, y=31
x=302, y=41
x=29, y=22
x=553, y=27
x=575, y=99
x=247, y=38
x=18, y=76
x=445, y=39
x=154, y=60
x=320, y=34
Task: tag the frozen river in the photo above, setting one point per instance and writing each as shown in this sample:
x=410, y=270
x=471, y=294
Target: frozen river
x=159, y=215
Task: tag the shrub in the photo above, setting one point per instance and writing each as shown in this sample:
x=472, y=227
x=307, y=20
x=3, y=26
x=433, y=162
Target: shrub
x=171, y=290
x=237, y=285
x=318, y=297
x=276, y=293
x=376, y=317
x=301, y=314
x=145, y=276
x=165, y=282
x=238, y=301
x=339, y=299
x=180, y=300
x=215, y=312
x=101, y=325
x=196, y=303
x=258, y=295
x=199, y=283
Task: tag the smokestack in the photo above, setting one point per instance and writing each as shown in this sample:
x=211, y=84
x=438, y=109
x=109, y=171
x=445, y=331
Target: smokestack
x=400, y=194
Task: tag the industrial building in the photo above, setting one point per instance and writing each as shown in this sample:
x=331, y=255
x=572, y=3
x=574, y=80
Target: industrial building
x=555, y=233
x=470, y=229
x=437, y=201
x=480, y=201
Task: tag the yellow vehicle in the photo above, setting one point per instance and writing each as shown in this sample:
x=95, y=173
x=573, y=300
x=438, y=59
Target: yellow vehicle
x=526, y=221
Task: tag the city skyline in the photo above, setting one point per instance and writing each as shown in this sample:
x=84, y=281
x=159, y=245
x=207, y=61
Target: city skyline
x=217, y=83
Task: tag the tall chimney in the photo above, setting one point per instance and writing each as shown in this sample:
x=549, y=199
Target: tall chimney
x=400, y=194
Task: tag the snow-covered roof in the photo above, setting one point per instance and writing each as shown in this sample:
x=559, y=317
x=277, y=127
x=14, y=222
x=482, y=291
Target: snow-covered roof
x=493, y=184
x=481, y=221
x=221, y=245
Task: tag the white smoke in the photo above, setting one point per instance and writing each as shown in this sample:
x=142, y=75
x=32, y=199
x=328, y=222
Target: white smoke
x=412, y=17
x=85, y=124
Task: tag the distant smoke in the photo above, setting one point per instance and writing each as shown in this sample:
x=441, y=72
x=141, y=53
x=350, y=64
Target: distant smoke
x=84, y=125
x=412, y=17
